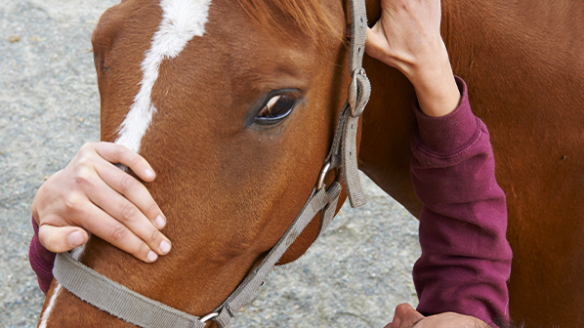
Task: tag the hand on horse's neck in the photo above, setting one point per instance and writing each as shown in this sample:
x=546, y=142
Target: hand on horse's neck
x=385, y=143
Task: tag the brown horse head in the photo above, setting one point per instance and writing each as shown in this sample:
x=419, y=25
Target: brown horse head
x=234, y=104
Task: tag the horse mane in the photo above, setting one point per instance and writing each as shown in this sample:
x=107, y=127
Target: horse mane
x=308, y=16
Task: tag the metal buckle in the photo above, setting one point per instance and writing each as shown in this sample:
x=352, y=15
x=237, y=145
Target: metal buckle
x=320, y=182
x=209, y=317
x=354, y=94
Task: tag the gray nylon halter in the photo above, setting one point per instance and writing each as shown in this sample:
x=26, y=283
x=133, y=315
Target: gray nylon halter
x=134, y=308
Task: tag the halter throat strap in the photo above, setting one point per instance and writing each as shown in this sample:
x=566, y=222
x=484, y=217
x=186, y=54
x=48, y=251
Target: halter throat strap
x=119, y=301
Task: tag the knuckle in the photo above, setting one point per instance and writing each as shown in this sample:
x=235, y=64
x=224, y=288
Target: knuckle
x=51, y=242
x=127, y=212
x=141, y=251
x=119, y=234
x=152, y=209
x=86, y=149
x=126, y=184
x=84, y=159
x=119, y=151
x=73, y=202
x=83, y=178
x=144, y=248
x=154, y=236
x=135, y=160
x=401, y=309
x=86, y=146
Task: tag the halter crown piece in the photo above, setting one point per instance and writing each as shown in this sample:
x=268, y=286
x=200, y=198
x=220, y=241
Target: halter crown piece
x=136, y=309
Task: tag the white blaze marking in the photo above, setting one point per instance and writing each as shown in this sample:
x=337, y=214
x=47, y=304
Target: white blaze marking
x=181, y=21
x=50, y=307
x=75, y=253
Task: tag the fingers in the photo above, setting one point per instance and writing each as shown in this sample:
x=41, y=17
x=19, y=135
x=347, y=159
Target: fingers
x=133, y=190
x=374, y=43
x=127, y=212
x=92, y=195
x=377, y=46
x=114, y=232
x=61, y=239
x=119, y=154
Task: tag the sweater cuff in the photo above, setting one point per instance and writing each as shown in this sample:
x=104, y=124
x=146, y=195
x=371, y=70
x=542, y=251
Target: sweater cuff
x=41, y=260
x=451, y=133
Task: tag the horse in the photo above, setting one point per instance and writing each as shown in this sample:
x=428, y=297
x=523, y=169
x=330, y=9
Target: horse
x=231, y=185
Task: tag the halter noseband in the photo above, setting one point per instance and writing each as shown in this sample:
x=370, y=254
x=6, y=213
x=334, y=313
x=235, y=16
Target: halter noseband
x=134, y=308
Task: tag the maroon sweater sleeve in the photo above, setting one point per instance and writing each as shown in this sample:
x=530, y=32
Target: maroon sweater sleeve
x=41, y=260
x=466, y=259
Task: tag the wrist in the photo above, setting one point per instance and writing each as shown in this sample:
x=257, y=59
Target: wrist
x=436, y=88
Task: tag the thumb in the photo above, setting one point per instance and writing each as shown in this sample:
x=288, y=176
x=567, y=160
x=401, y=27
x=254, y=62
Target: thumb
x=377, y=46
x=61, y=239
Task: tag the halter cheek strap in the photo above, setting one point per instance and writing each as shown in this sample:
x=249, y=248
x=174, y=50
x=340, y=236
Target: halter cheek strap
x=134, y=308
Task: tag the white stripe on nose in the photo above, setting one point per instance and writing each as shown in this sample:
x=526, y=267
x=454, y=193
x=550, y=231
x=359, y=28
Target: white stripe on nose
x=181, y=21
x=49, y=308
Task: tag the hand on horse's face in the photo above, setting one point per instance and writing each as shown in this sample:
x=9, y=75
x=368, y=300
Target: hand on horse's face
x=407, y=317
x=91, y=194
x=407, y=37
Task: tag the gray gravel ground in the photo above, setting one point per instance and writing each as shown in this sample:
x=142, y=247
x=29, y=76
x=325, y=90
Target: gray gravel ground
x=49, y=107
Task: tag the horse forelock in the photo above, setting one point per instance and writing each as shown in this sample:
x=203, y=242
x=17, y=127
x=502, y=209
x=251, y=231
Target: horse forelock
x=308, y=16
x=182, y=20
x=47, y=313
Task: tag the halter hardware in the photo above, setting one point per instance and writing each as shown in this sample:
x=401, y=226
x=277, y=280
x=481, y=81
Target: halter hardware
x=358, y=94
x=322, y=175
x=209, y=317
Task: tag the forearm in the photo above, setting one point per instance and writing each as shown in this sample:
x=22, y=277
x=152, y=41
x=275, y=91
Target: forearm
x=466, y=259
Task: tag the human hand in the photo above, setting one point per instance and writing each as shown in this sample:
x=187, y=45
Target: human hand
x=406, y=317
x=92, y=194
x=407, y=37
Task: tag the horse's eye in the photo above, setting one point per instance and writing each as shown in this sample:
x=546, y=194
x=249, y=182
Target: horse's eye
x=277, y=108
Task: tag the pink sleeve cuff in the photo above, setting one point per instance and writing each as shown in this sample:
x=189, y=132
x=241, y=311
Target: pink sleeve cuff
x=451, y=133
x=41, y=260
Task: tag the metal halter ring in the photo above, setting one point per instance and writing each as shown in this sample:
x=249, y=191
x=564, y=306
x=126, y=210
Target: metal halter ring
x=209, y=317
x=323, y=173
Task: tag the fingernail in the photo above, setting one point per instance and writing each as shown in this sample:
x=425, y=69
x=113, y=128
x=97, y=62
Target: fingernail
x=160, y=222
x=75, y=239
x=164, y=247
x=149, y=173
x=152, y=256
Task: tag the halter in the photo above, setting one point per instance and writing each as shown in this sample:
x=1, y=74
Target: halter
x=134, y=308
